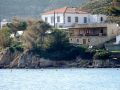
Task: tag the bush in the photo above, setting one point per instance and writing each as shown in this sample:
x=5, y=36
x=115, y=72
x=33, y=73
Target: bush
x=114, y=11
x=5, y=40
x=59, y=48
x=69, y=53
x=102, y=55
x=16, y=46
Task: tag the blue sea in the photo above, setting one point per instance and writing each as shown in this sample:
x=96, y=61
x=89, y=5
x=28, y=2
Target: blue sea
x=60, y=79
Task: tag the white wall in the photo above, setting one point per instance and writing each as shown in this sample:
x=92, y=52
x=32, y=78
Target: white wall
x=97, y=18
x=118, y=39
x=90, y=19
x=80, y=19
x=52, y=15
x=3, y=22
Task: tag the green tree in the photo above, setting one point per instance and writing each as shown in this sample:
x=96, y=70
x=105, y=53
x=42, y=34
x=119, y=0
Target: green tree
x=5, y=40
x=41, y=29
x=60, y=48
x=59, y=40
x=114, y=11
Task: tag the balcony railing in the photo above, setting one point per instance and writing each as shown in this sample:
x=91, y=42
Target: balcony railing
x=100, y=34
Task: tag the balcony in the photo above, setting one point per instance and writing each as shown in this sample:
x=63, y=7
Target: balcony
x=100, y=34
x=94, y=25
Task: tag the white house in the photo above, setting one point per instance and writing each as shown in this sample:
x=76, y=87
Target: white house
x=118, y=39
x=3, y=23
x=18, y=34
x=70, y=16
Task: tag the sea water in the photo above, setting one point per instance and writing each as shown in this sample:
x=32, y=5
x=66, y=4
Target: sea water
x=60, y=79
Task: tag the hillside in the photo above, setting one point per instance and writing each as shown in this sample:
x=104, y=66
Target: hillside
x=33, y=8
x=102, y=7
x=98, y=6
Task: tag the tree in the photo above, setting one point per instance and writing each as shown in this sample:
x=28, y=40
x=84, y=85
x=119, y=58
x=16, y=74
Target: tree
x=34, y=36
x=5, y=40
x=115, y=8
x=59, y=40
x=60, y=48
x=41, y=28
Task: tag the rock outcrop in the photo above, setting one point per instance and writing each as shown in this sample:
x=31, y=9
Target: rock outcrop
x=27, y=59
x=7, y=58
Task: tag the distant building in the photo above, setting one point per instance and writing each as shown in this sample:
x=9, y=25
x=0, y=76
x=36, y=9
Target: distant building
x=93, y=34
x=118, y=39
x=69, y=16
x=3, y=23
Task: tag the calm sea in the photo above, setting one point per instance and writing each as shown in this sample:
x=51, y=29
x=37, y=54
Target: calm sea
x=60, y=79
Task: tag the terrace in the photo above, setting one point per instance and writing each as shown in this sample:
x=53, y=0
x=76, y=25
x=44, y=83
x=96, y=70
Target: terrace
x=98, y=31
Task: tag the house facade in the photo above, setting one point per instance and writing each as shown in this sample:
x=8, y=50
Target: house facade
x=69, y=16
x=118, y=39
x=3, y=23
x=93, y=34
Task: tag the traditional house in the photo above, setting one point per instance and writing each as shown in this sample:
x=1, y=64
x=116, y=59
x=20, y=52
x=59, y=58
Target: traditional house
x=69, y=16
x=3, y=23
x=118, y=39
x=93, y=34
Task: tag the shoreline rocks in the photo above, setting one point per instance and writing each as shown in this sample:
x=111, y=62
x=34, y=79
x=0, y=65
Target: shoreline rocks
x=27, y=59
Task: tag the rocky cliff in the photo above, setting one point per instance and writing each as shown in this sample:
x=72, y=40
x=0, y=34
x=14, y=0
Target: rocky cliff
x=27, y=59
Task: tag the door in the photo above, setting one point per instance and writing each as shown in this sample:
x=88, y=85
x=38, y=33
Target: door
x=84, y=41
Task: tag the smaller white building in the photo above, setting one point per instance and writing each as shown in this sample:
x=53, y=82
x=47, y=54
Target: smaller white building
x=3, y=23
x=118, y=39
x=70, y=16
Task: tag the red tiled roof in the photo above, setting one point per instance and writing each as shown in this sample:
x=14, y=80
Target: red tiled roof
x=71, y=10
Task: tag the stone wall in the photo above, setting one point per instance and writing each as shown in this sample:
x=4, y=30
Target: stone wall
x=90, y=40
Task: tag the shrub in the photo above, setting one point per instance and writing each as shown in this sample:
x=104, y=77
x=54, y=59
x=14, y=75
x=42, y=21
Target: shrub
x=102, y=55
x=16, y=46
x=68, y=53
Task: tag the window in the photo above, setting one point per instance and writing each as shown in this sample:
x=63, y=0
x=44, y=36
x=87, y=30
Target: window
x=76, y=19
x=88, y=40
x=58, y=18
x=77, y=40
x=69, y=19
x=101, y=19
x=46, y=19
x=85, y=19
x=101, y=31
x=52, y=19
x=84, y=41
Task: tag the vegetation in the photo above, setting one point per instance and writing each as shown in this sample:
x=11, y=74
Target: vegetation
x=54, y=45
x=60, y=48
x=5, y=40
x=98, y=6
x=17, y=25
x=35, y=35
x=43, y=41
x=102, y=55
x=105, y=7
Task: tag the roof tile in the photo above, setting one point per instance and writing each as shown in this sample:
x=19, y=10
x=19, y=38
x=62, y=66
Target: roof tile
x=71, y=10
